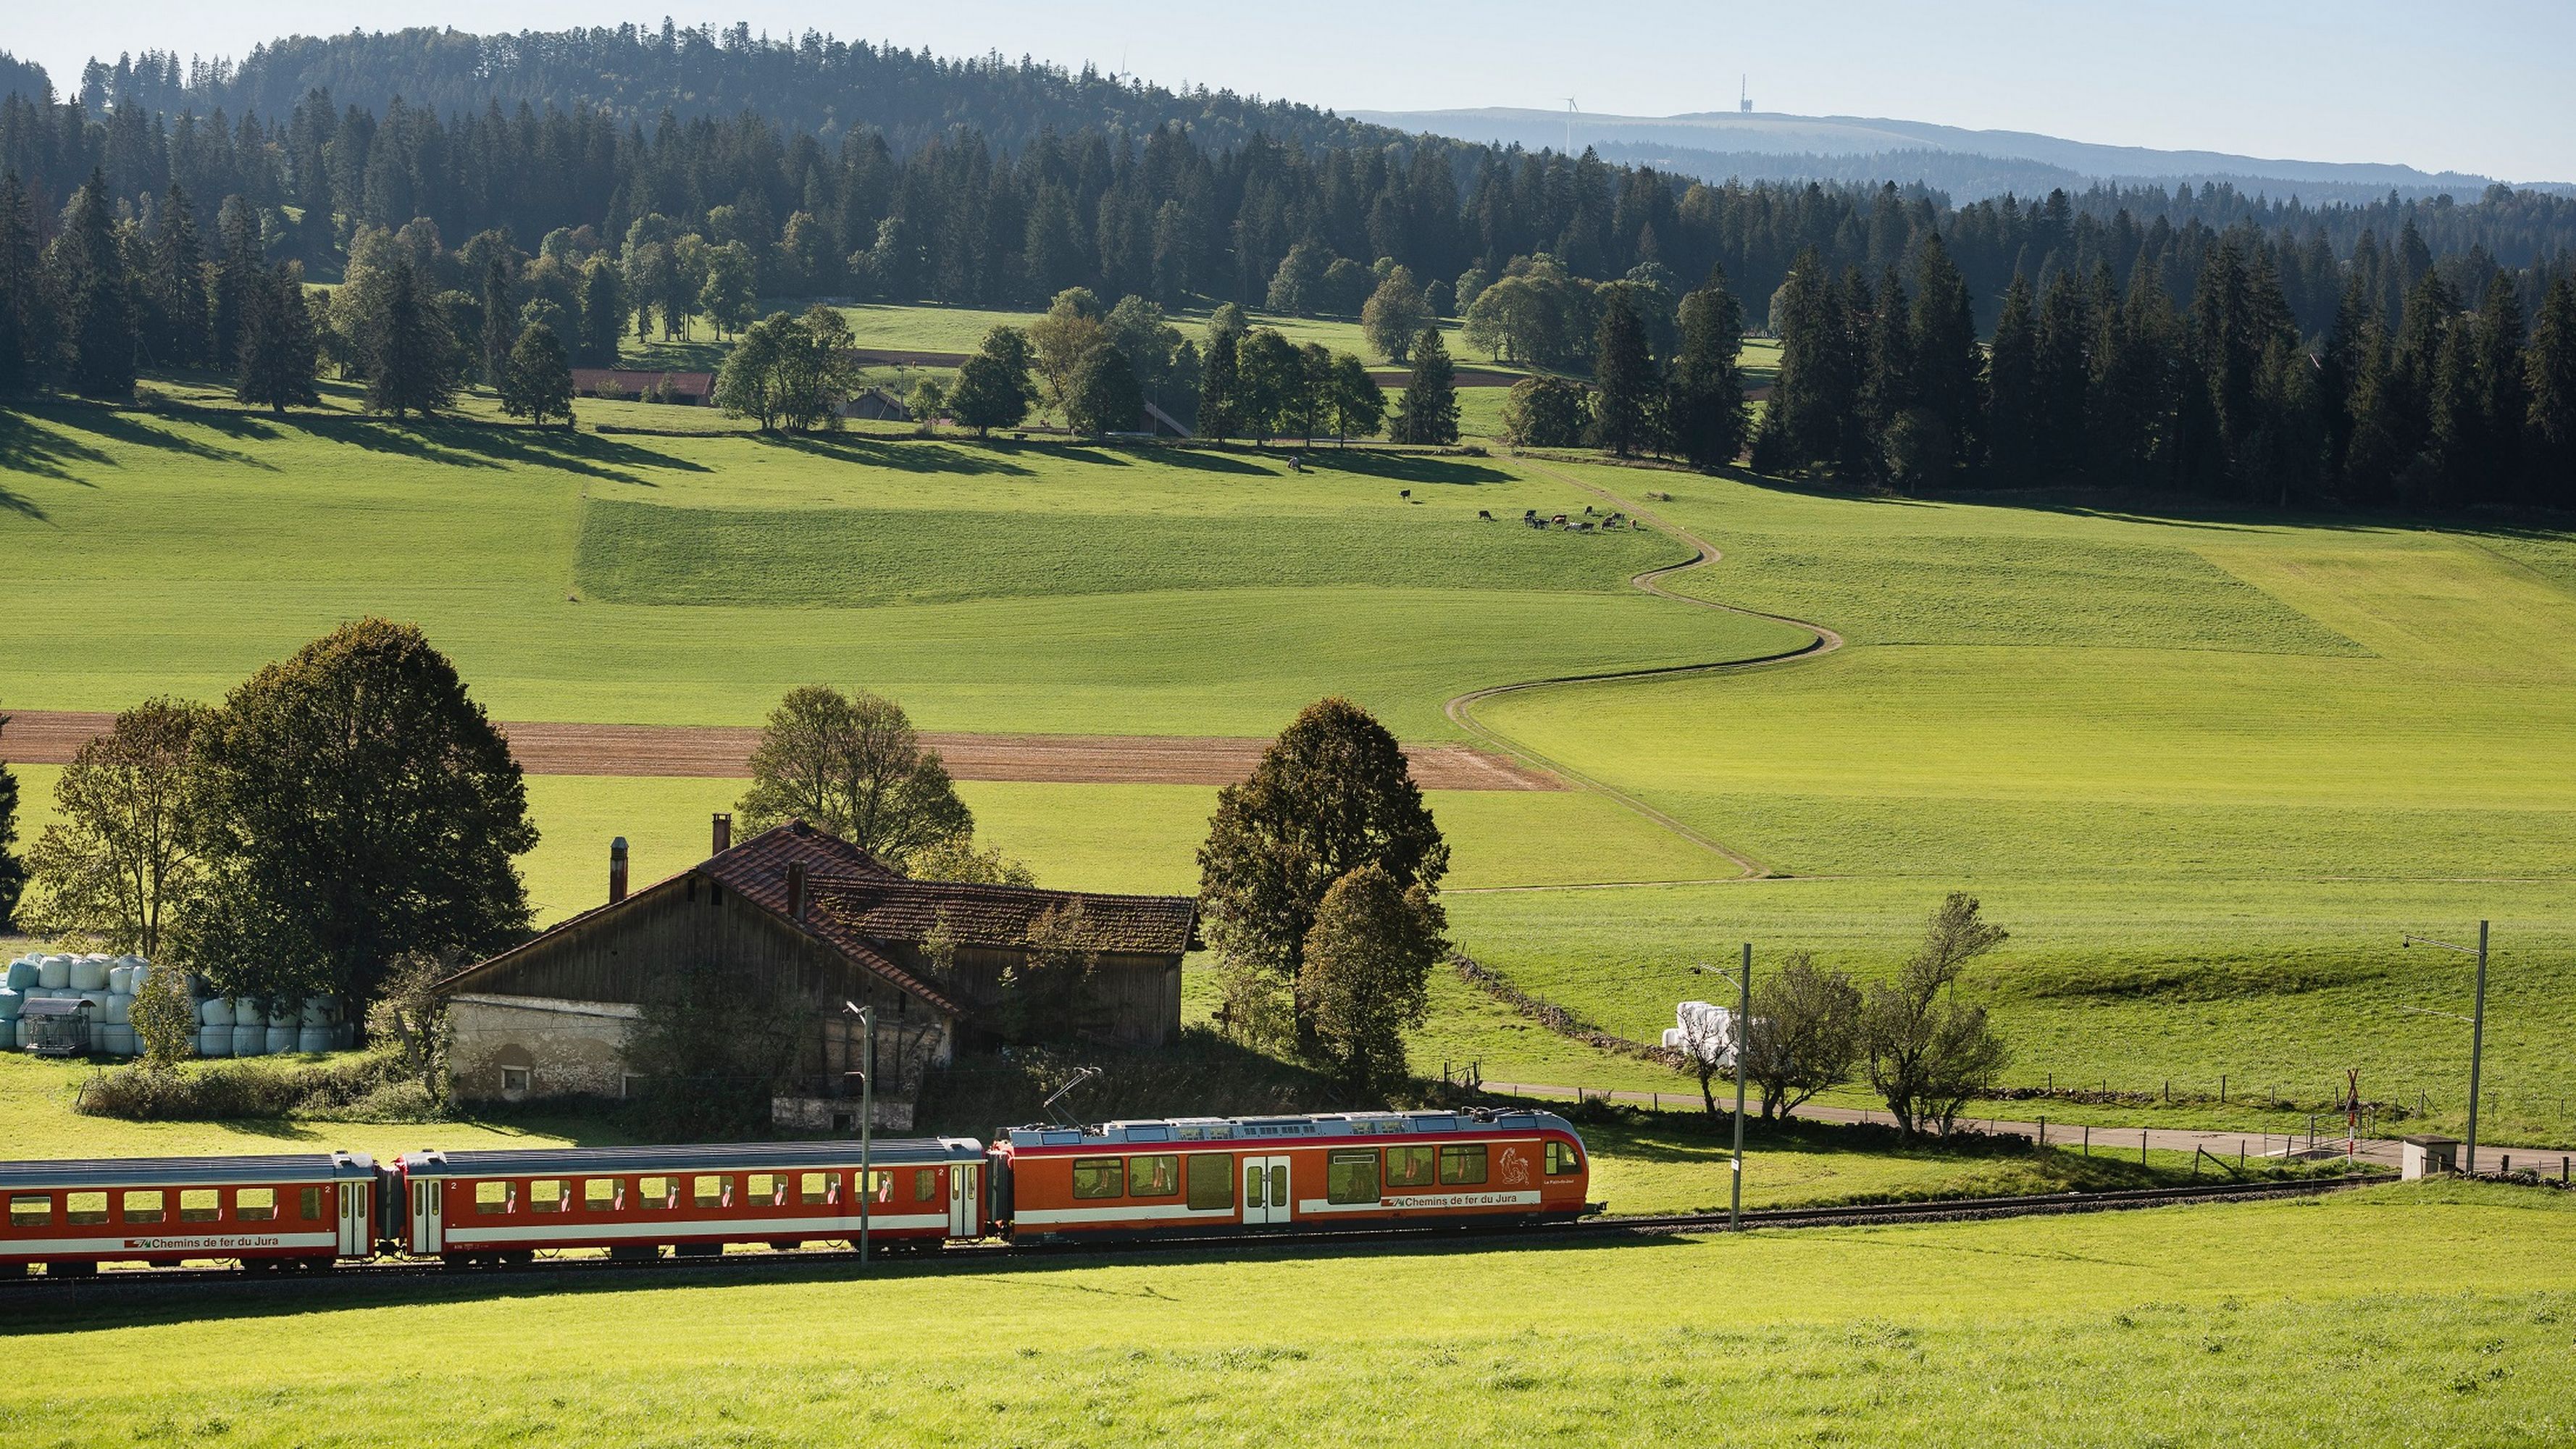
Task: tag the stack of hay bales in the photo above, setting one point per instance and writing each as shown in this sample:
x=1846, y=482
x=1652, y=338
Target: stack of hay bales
x=226, y=1026
x=107, y=983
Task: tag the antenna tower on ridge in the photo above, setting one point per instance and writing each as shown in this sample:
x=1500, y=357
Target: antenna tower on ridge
x=1744, y=98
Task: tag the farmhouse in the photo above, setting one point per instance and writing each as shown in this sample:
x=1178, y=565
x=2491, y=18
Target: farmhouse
x=688, y=388
x=799, y=915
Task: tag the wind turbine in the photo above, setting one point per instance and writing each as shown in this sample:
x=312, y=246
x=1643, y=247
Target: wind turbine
x=1571, y=109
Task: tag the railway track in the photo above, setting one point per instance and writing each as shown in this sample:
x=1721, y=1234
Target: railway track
x=128, y=1284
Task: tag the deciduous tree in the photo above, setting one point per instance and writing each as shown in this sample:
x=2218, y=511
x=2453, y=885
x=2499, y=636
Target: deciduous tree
x=1367, y=971
x=1928, y=1052
x=993, y=385
x=1805, y=1033
x=854, y=766
x=120, y=864
x=538, y=384
x=1394, y=315
x=1704, y=396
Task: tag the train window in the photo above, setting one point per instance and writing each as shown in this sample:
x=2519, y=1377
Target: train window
x=144, y=1205
x=31, y=1210
x=311, y=1204
x=1462, y=1163
x=1562, y=1158
x=1350, y=1175
x=1211, y=1181
x=1100, y=1177
x=925, y=1185
x=764, y=1187
x=815, y=1187
x=714, y=1192
x=491, y=1197
x=599, y=1195
x=200, y=1205
x=547, y=1195
x=1409, y=1166
x=657, y=1192
x=83, y=1208
x=255, y=1204
x=1156, y=1176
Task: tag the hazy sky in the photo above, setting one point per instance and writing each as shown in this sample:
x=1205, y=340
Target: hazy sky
x=2473, y=85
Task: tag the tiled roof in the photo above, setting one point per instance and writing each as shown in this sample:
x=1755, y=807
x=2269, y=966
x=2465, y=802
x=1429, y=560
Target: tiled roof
x=895, y=909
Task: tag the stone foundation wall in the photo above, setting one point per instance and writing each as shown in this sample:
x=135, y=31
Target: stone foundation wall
x=565, y=1048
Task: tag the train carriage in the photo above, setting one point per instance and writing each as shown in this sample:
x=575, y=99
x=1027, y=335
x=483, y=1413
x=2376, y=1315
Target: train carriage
x=634, y=1201
x=303, y=1209
x=1182, y=1176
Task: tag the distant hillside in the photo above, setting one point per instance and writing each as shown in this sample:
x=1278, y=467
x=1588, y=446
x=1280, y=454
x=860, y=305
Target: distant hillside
x=812, y=83
x=1968, y=164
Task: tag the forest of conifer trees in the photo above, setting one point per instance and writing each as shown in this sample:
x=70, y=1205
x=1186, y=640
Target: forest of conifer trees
x=2257, y=348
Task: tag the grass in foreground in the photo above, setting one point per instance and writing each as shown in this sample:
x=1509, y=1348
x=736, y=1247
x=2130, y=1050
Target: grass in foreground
x=2397, y=1315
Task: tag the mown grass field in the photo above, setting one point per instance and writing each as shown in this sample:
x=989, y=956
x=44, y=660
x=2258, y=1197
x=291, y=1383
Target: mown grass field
x=2393, y=1316
x=2207, y=770
x=179, y=553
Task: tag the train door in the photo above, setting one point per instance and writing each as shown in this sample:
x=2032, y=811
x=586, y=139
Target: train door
x=962, y=1218
x=353, y=1220
x=1265, y=1189
x=428, y=1232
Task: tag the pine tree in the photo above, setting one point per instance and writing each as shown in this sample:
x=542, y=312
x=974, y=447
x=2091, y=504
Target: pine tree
x=411, y=362
x=2549, y=376
x=1704, y=399
x=237, y=273
x=180, y=259
x=1428, y=411
x=2059, y=379
x=1942, y=340
x=537, y=383
x=2013, y=402
x=279, y=351
x=98, y=322
x=1887, y=361
x=1813, y=397
x=2504, y=398
x=2383, y=434
x=1624, y=373
x=22, y=307
x=603, y=315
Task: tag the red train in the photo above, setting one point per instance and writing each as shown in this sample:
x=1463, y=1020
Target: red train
x=1159, y=1178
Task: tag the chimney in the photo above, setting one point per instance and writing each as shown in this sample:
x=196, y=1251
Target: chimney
x=724, y=831
x=617, y=870
x=796, y=890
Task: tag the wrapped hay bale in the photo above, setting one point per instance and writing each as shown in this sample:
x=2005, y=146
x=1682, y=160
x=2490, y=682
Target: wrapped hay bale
x=217, y=1011
x=215, y=1041
x=250, y=1041
x=88, y=973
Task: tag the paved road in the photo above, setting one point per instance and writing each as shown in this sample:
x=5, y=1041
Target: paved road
x=2226, y=1146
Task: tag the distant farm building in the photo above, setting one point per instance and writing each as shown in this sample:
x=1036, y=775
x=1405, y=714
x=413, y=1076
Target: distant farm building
x=797, y=914
x=877, y=404
x=691, y=389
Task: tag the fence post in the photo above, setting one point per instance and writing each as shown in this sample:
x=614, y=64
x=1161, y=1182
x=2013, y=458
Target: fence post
x=2142, y=1147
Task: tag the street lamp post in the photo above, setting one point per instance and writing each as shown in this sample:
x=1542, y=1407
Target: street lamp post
x=1743, y=1033
x=867, y=1016
x=2477, y=1029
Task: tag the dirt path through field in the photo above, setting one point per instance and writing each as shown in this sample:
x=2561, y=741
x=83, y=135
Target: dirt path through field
x=49, y=737
x=1461, y=710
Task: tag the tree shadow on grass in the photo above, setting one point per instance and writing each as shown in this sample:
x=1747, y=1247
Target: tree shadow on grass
x=902, y=457
x=135, y=430
x=27, y=446
x=1199, y=460
x=1405, y=467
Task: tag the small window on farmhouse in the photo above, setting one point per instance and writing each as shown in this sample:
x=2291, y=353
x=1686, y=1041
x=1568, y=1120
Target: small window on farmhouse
x=491, y=1197
x=1100, y=1177
x=311, y=1204
x=713, y=1192
x=1211, y=1181
x=1409, y=1166
x=657, y=1192
x=1350, y=1176
x=83, y=1208
x=1156, y=1176
x=925, y=1185
x=255, y=1204
x=514, y=1079
x=815, y=1187
x=144, y=1205
x=629, y=1083
x=1462, y=1163
x=547, y=1195
x=31, y=1210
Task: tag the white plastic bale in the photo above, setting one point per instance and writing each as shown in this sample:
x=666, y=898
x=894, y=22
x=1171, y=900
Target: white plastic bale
x=318, y=1011
x=120, y=1010
x=286, y=1018
x=117, y=1041
x=88, y=973
x=120, y=980
x=98, y=1001
x=216, y=1011
x=250, y=1041
x=54, y=972
x=24, y=972
x=280, y=1039
x=215, y=1041
x=246, y=1012
x=18, y=1035
x=12, y=1001
x=312, y=1039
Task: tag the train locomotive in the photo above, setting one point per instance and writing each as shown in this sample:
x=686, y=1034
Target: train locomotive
x=1150, y=1179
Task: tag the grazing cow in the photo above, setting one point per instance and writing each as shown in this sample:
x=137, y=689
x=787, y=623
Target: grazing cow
x=1404, y=493
x=1486, y=514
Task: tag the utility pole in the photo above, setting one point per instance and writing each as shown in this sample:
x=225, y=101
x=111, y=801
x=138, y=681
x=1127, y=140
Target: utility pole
x=2477, y=1030
x=867, y=1016
x=1743, y=1035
